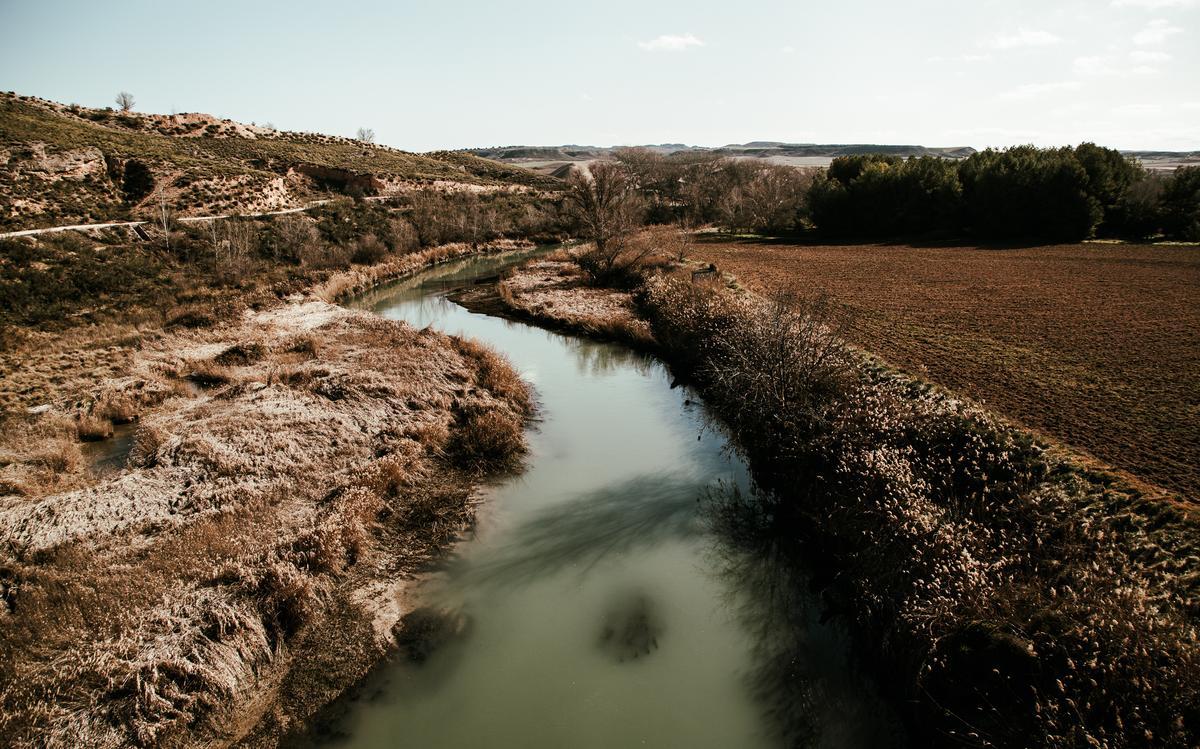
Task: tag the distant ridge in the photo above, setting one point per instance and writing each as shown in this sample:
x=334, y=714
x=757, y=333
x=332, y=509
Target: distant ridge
x=757, y=149
x=551, y=160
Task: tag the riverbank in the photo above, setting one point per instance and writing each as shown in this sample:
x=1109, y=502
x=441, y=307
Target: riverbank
x=290, y=468
x=1009, y=596
x=552, y=292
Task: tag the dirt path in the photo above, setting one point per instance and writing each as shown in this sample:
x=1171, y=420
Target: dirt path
x=183, y=220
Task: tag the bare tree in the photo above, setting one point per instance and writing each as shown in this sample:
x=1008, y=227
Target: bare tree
x=125, y=101
x=366, y=135
x=604, y=204
x=232, y=242
x=164, y=217
x=607, y=210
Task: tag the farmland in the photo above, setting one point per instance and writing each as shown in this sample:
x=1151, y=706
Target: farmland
x=1094, y=345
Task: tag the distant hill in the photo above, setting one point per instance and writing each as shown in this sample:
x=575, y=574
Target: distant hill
x=67, y=164
x=551, y=160
x=758, y=148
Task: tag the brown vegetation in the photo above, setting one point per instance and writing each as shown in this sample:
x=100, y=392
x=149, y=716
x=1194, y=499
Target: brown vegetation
x=1096, y=345
x=270, y=504
x=554, y=292
x=1013, y=599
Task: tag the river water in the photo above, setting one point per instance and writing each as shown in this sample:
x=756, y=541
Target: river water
x=597, y=606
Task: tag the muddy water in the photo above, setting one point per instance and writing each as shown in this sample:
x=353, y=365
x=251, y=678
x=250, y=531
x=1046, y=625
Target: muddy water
x=593, y=606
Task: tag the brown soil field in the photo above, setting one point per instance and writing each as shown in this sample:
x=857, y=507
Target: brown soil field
x=1094, y=345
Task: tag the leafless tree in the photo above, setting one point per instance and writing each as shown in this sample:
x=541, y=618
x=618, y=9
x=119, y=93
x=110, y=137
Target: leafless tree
x=604, y=203
x=607, y=210
x=232, y=242
x=164, y=217
x=125, y=101
x=366, y=135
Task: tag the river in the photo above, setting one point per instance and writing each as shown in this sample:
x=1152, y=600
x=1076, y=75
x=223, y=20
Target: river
x=598, y=607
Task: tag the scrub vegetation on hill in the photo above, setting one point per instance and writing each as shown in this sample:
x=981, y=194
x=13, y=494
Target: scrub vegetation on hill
x=66, y=165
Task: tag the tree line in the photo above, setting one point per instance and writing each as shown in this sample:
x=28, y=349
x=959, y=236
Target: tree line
x=1064, y=194
x=1023, y=192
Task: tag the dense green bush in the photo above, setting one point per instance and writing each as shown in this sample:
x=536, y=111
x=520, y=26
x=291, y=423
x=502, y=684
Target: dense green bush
x=1024, y=192
x=1181, y=204
x=882, y=195
x=138, y=181
x=1027, y=192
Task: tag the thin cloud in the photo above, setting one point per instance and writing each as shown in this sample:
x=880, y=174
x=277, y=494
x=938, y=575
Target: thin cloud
x=1155, y=4
x=1024, y=38
x=1155, y=33
x=1138, y=110
x=671, y=43
x=1035, y=90
x=1101, y=65
x=1093, y=65
x=1148, y=56
x=958, y=58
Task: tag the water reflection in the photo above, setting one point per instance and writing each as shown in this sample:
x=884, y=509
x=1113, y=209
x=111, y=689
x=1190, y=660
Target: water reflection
x=595, y=358
x=577, y=535
x=811, y=690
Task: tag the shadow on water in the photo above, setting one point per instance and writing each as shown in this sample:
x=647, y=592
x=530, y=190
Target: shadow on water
x=811, y=689
x=579, y=534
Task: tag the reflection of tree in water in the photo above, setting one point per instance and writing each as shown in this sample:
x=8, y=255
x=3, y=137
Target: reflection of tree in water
x=581, y=533
x=802, y=673
x=597, y=357
x=446, y=277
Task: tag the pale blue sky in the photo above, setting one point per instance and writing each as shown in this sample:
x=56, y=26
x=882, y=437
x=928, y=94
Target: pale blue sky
x=455, y=74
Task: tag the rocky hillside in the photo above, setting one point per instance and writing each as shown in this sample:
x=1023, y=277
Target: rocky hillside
x=68, y=164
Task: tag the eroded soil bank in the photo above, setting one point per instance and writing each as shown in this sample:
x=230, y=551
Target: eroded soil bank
x=289, y=471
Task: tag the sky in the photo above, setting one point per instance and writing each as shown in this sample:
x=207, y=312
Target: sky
x=454, y=74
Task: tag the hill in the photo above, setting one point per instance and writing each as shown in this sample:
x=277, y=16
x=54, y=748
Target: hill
x=550, y=160
x=69, y=164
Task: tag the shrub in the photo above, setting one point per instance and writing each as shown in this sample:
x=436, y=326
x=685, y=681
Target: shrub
x=93, y=428
x=487, y=438
x=138, y=181
x=368, y=250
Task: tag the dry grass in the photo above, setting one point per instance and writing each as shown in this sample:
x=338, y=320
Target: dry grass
x=1097, y=345
x=92, y=428
x=38, y=455
x=556, y=293
x=241, y=521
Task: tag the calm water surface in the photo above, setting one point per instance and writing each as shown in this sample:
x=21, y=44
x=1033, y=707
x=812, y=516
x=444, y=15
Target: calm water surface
x=600, y=609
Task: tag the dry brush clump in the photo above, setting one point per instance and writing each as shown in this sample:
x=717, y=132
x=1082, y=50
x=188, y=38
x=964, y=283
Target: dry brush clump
x=39, y=455
x=1010, y=598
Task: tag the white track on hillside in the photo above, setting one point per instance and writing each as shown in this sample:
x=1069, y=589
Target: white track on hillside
x=183, y=220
